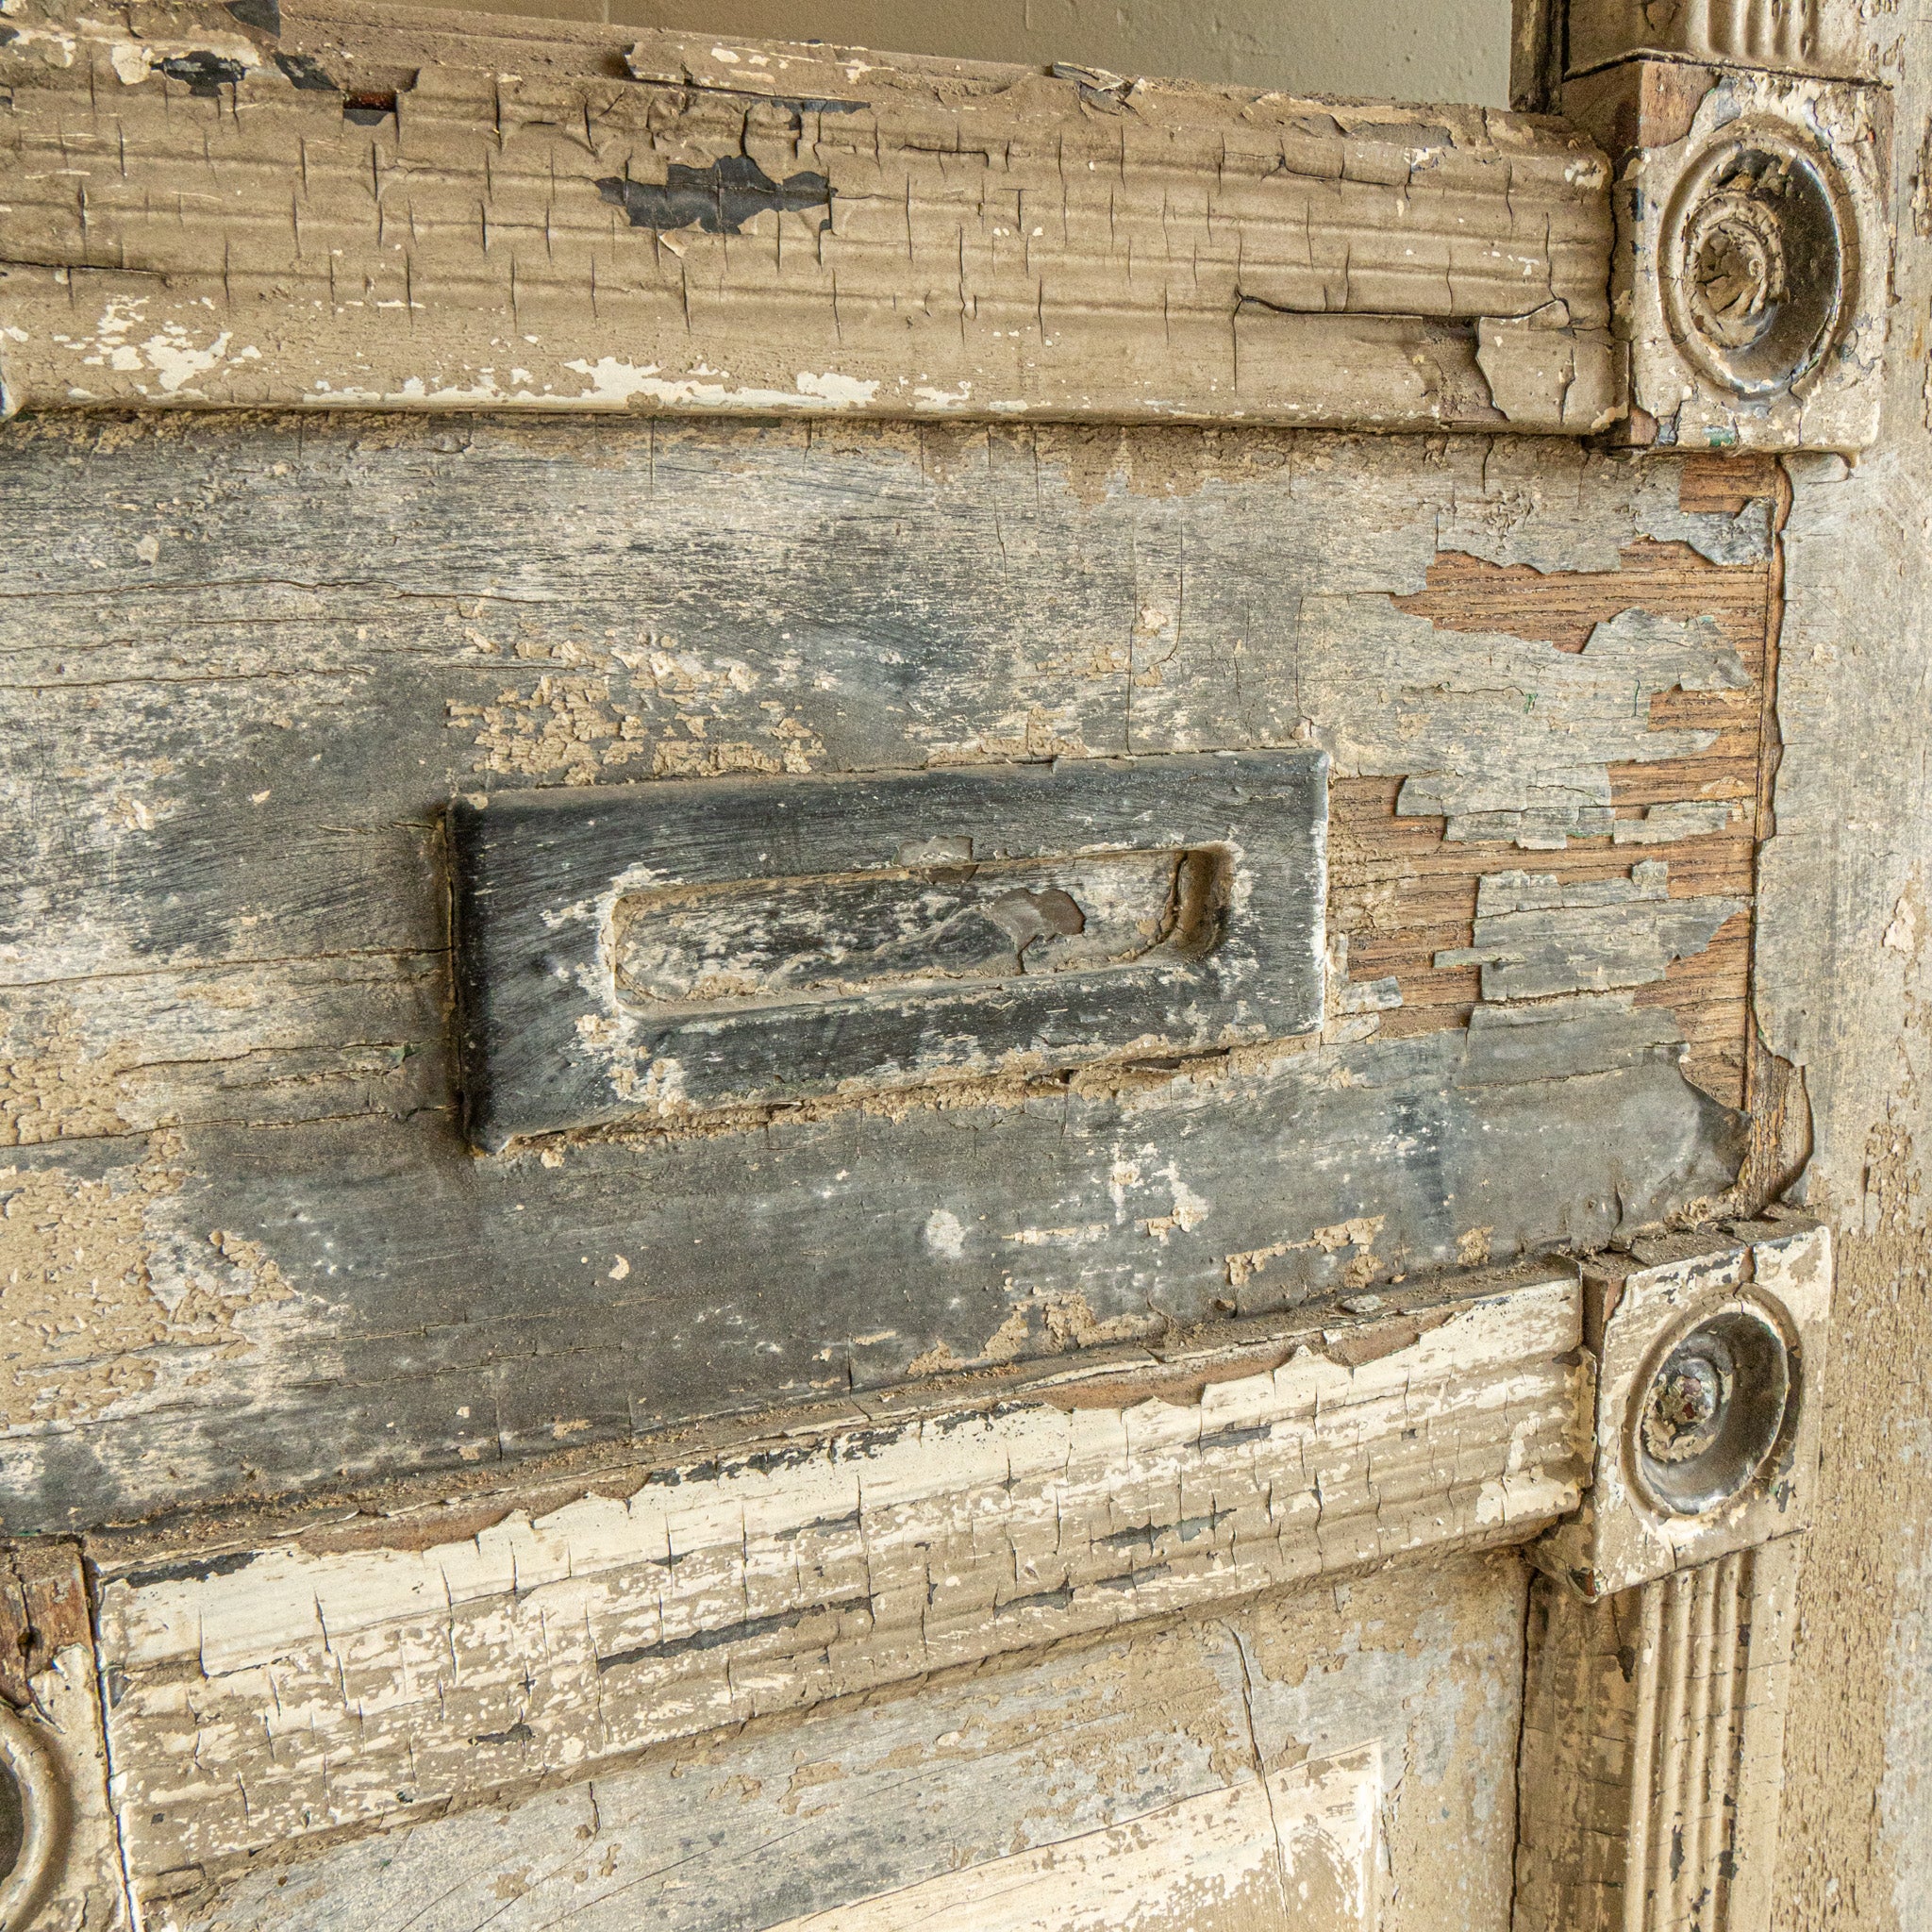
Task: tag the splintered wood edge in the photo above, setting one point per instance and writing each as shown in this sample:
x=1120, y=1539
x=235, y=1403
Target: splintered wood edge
x=407, y=209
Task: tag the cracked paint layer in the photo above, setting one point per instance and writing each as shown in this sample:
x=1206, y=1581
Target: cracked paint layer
x=931, y=238
x=284, y=648
x=1399, y=1686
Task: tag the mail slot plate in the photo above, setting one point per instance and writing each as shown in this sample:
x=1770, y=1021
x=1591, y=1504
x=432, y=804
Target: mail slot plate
x=668, y=946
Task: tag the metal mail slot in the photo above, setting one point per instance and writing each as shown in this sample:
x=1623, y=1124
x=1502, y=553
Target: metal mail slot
x=648, y=949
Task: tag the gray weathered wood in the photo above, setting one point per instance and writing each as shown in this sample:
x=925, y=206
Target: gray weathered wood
x=247, y=665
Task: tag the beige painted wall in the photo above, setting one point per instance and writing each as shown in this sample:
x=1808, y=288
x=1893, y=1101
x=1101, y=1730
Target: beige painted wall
x=1844, y=886
x=1412, y=50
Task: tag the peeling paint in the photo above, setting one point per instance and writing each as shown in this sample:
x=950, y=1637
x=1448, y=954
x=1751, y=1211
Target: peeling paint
x=96, y=1306
x=441, y=1670
x=807, y=232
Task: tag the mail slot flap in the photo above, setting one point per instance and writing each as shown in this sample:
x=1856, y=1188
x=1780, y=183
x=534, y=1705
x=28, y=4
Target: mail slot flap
x=654, y=948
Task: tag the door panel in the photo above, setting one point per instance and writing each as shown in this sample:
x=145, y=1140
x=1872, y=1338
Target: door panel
x=1385, y=1711
x=869, y=1065
x=238, y=984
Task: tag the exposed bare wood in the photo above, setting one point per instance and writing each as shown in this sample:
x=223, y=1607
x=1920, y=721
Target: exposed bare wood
x=242, y=1251
x=265, y=655
x=1405, y=895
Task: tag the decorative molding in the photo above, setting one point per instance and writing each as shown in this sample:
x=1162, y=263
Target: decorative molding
x=65, y=1875
x=35, y=1791
x=1753, y=254
x=372, y=209
x=1708, y=1362
x=1822, y=37
x=270, y=1693
x=1660, y=1634
x=1653, y=1750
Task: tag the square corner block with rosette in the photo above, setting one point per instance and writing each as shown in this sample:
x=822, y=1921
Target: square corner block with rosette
x=1752, y=256
x=1709, y=1353
x=653, y=949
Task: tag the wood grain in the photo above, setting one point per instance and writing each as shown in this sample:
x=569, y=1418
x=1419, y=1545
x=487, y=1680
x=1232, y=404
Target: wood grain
x=249, y=661
x=1403, y=893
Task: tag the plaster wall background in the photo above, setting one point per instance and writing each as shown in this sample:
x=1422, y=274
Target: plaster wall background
x=1842, y=990
x=1402, y=50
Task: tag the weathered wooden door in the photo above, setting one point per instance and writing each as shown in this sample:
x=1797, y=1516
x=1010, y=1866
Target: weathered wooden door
x=880, y=1031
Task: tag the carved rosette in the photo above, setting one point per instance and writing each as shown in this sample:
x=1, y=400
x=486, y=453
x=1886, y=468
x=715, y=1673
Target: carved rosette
x=1708, y=1357
x=1749, y=280
x=1651, y=1413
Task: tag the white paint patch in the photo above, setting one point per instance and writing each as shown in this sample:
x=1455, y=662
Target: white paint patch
x=1902, y=935
x=842, y=391
x=1298, y=1852
x=944, y=1236
x=1188, y=1212
x=134, y=60
x=174, y=352
x=614, y=383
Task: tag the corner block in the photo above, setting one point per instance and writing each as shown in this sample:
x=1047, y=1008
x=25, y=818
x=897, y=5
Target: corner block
x=1748, y=282
x=1708, y=1359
